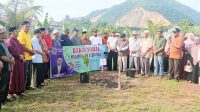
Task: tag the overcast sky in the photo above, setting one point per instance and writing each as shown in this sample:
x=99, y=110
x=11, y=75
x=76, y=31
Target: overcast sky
x=78, y=8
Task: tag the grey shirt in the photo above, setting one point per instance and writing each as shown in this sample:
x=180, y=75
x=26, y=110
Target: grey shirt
x=122, y=47
x=76, y=41
x=56, y=42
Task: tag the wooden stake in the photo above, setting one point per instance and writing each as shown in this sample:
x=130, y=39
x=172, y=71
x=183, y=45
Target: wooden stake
x=119, y=79
x=102, y=69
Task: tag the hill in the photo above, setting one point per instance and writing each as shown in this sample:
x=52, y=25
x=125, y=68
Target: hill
x=136, y=12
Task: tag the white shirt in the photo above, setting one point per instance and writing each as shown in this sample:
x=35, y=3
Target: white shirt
x=59, y=68
x=37, y=58
x=95, y=40
x=145, y=44
x=112, y=41
x=134, y=45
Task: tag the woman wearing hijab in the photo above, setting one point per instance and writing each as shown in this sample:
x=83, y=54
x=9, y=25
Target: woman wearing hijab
x=195, y=49
x=187, y=54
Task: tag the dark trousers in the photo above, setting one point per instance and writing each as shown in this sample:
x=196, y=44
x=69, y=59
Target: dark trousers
x=166, y=64
x=46, y=70
x=4, y=85
x=112, y=56
x=38, y=70
x=174, y=67
x=28, y=73
x=195, y=74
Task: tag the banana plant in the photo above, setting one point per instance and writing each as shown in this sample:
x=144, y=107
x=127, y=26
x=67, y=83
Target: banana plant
x=46, y=23
x=153, y=28
x=128, y=31
x=110, y=27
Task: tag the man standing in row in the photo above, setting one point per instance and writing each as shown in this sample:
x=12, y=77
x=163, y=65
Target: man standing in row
x=85, y=40
x=48, y=38
x=134, y=47
x=46, y=55
x=122, y=48
x=56, y=40
x=25, y=39
x=7, y=60
x=65, y=39
x=95, y=39
x=105, y=38
x=49, y=41
x=158, y=51
x=145, y=53
x=16, y=85
x=176, y=54
x=112, y=52
x=75, y=39
x=38, y=67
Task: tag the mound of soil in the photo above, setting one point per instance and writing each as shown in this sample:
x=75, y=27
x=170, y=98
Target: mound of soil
x=110, y=80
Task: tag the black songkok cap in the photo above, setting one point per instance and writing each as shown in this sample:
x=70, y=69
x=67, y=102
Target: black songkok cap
x=11, y=29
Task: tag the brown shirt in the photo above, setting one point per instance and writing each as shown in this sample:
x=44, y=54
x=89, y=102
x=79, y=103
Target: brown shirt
x=85, y=41
x=104, y=40
x=176, y=53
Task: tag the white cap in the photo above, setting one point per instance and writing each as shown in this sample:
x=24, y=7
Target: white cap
x=117, y=34
x=2, y=29
x=134, y=32
x=55, y=31
x=146, y=31
x=189, y=35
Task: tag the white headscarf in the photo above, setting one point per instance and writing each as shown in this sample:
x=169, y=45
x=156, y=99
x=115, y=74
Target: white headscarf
x=188, y=42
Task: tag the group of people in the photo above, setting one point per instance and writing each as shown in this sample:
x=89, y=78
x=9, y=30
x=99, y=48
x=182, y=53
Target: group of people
x=169, y=54
x=21, y=52
x=24, y=60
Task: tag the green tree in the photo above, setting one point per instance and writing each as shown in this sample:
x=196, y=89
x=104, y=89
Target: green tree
x=195, y=30
x=16, y=11
x=185, y=25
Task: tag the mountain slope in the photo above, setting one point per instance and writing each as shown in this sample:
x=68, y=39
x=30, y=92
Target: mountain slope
x=172, y=10
x=141, y=16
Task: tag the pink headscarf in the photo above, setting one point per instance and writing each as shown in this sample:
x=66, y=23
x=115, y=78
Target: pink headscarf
x=195, y=50
x=197, y=40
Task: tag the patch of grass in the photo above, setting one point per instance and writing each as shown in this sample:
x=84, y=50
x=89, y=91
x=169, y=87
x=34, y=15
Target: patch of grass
x=68, y=95
x=198, y=98
x=172, y=84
